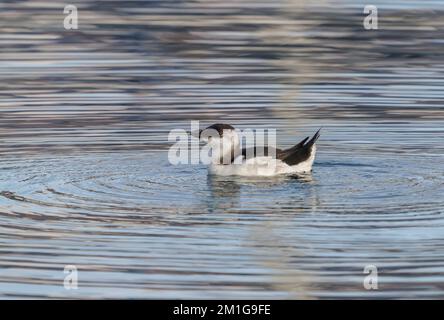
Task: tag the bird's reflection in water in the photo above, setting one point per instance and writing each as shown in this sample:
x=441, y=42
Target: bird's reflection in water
x=266, y=238
x=225, y=191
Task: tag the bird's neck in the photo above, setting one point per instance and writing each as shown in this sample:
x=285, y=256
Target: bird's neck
x=228, y=150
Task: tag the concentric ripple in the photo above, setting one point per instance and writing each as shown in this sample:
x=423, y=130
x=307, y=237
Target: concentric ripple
x=84, y=122
x=135, y=223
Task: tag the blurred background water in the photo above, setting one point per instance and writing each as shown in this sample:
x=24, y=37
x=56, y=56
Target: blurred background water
x=84, y=175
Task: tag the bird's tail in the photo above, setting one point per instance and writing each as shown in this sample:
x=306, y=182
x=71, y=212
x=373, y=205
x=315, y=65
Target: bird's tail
x=312, y=141
x=300, y=152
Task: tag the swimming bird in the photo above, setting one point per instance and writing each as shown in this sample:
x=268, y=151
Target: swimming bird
x=228, y=158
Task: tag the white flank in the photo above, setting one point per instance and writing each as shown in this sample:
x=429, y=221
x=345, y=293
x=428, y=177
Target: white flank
x=263, y=166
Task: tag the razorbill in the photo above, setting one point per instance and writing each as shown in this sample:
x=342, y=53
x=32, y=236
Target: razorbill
x=228, y=158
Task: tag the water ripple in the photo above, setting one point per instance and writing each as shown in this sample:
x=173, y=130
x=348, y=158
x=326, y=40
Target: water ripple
x=84, y=121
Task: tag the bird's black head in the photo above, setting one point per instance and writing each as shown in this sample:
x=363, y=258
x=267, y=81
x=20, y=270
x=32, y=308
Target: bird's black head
x=209, y=131
x=220, y=127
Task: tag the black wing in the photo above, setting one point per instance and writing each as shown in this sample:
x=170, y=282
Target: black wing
x=292, y=156
x=253, y=152
x=300, y=152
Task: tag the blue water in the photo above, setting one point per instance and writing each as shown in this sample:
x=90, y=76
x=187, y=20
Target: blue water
x=85, y=179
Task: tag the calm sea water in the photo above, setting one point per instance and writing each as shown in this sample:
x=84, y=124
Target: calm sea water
x=84, y=174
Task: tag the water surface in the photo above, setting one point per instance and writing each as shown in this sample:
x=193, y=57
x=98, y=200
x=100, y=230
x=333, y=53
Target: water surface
x=84, y=174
